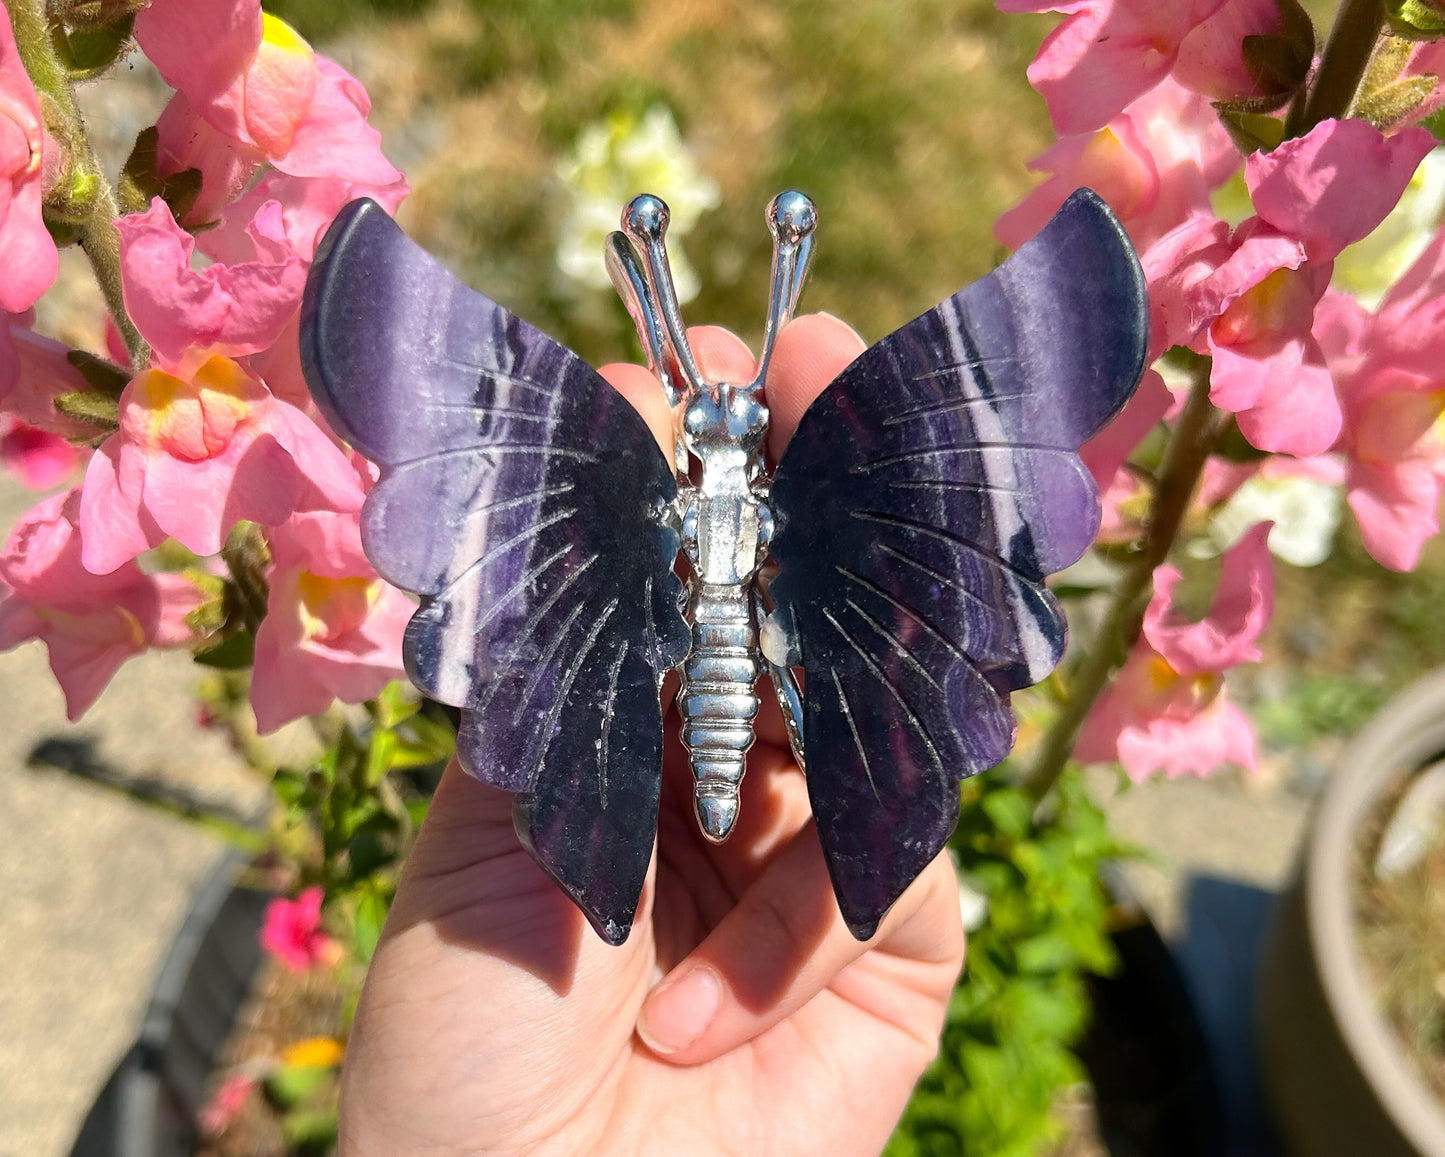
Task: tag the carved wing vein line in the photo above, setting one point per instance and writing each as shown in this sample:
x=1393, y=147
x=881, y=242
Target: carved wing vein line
x=896, y=643
x=853, y=727
x=945, y=484
x=886, y=519
x=535, y=619
x=502, y=547
x=607, y=709
x=950, y=405
x=522, y=499
x=903, y=608
x=941, y=451
x=965, y=364
x=527, y=579
x=566, y=686
x=487, y=448
x=534, y=678
x=492, y=411
x=502, y=376
x=882, y=677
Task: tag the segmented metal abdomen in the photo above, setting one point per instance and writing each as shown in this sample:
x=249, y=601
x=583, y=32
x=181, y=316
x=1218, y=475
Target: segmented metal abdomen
x=717, y=701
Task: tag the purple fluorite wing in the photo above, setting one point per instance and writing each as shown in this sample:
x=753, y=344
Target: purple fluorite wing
x=523, y=499
x=924, y=497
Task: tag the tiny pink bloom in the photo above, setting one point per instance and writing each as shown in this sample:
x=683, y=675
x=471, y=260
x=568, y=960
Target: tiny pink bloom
x=333, y=630
x=226, y=1103
x=195, y=455
x=1106, y=53
x=90, y=624
x=30, y=258
x=1211, y=56
x=1238, y=614
x=37, y=457
x=292, y=931
x=228, y=309
x=1155, y=164
x=1334, y=185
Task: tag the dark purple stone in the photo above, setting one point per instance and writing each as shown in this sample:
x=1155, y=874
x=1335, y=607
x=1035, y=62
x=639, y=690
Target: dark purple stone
x=924, y=497
x=521, y=498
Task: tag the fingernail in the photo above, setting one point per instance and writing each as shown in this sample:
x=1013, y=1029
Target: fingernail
x=679, y=1012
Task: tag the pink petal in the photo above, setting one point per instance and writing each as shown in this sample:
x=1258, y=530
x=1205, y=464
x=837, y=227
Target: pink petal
x=197, y=503
x=1242, y=605
x=203, y=50
x=109, y=520
x=1396, y=508
x=39, y=459
x=1218, y=736
x=1108, y=450
x=327, y=480
x=30, y=257
x=334, y=139
x=1332, y=186
x=84, y=669
x=233, y=309
x=1211, y=57
x=1107, y=54
x=1282, y=392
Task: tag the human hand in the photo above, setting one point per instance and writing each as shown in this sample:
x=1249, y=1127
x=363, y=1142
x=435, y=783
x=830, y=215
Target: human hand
x=740, y=1016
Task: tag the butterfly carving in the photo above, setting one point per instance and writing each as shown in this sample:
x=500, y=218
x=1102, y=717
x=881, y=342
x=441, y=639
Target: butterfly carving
x=895, y=556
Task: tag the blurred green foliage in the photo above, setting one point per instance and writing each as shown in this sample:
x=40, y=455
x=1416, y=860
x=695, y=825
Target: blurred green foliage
x=1022, y=1002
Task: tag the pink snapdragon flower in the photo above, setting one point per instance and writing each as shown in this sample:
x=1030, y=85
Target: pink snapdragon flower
x=1105, y=54
x=30, y=257
x=292, y=933
x=196, y=454
x=1394, y=440
x=256, y=93
x=230, y=309
x=90, y=624
x=1155, y=163
x=1167, y=710
x=333, y=630
x=1211, y=55
x=34, y=370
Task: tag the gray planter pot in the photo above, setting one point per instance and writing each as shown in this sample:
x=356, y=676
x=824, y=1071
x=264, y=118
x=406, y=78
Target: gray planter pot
x=148, y=1107
x=1338, y=1082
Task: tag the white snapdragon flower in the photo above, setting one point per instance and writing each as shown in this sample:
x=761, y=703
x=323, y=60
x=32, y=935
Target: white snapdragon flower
x=611, y=162
x=1305, y=513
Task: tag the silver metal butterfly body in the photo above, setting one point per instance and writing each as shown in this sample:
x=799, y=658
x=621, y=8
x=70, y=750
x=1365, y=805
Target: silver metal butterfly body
x=895, y=556
x=725, y=521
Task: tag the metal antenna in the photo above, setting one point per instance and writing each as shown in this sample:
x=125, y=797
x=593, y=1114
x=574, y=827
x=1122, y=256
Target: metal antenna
x=630, y=280
x=792, y=217
x=644, y=220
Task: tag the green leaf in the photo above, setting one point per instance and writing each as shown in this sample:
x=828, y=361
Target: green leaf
x=310, y=1130
x=371, y=912
x=1391, y=105
x=100, y=375
x=396, y=704
x=379, y=754
x=1415, y=19
x=89, y=51
x=236, y=651
x=1251, y=131
x=289, y=786
x=98, y=410
x=1010, y=810
x=140, y=181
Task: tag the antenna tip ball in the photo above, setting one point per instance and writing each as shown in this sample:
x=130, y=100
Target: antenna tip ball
x=792, y=216
x=645, y=216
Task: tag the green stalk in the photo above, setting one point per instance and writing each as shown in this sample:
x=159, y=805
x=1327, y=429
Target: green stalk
x=95, y=205
x=1347, y=53
x=1194, y=436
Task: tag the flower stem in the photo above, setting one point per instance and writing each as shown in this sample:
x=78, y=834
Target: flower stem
x=1347, y=53
x=1194, y=436
x=97, y=212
